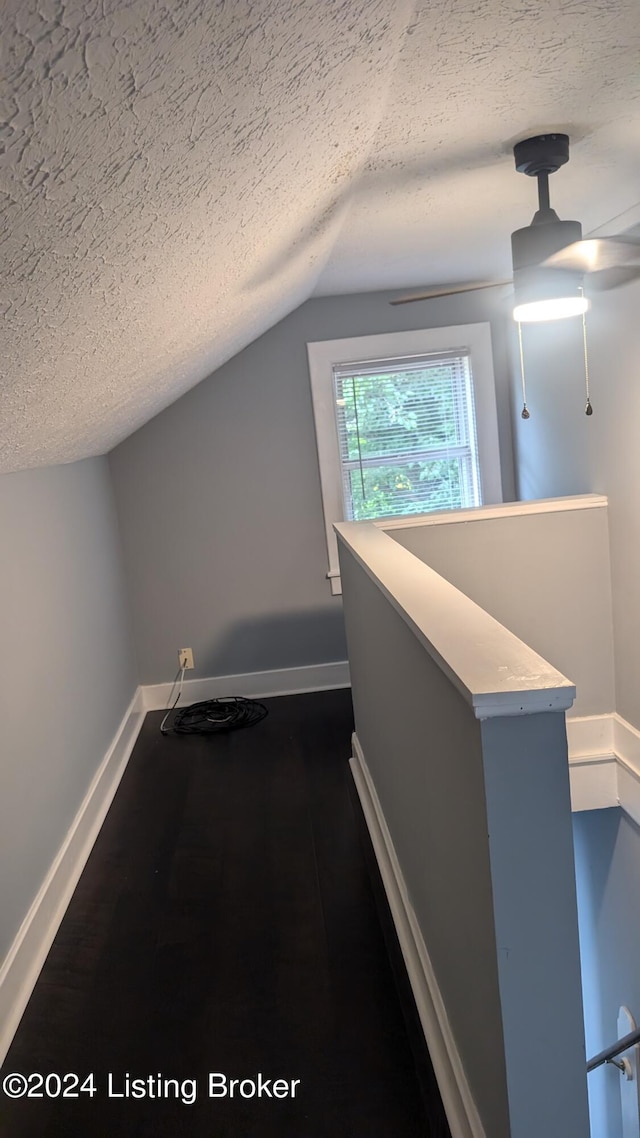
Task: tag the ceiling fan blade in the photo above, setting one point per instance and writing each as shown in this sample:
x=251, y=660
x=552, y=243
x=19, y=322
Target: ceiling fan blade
x=452, y=290
x=596, y=254
x=605, y=279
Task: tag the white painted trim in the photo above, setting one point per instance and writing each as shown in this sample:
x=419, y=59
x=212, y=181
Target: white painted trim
x=323, y=355
x=590, y=736
x=593, y=769
x=495, y=672
x=333, y=577
x=501, y=510
x=604, y=764
x=25, y=958
x=593, y=783
x=281, y=681
x=626, y=741
x=460, y=1108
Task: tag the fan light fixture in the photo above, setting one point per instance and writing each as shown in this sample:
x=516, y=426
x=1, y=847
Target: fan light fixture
x=541, y=294
x=551, y=259
x=553, y=308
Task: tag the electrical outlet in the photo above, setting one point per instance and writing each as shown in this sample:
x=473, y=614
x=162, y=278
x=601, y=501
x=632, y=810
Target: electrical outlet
x=185, y=657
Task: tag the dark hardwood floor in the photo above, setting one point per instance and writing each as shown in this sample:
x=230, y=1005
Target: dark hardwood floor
x=226, y=923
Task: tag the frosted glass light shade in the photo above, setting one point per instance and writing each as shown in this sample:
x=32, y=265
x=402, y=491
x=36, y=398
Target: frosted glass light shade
x=555, y=308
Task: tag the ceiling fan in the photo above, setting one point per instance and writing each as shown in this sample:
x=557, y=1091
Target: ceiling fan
x=550, y=256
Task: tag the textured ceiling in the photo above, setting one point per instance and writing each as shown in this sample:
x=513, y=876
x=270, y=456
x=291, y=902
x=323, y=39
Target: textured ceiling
x=177, y=175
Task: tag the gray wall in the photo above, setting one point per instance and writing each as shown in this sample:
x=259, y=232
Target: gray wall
x=466, y=803
x=526, y=779
x=561, y=451
x=546, y=577
x=219, y=498
x=67, y=671
x=607, y=849
x=422, y=744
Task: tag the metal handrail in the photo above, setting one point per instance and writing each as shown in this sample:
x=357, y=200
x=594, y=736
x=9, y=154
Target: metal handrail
x=616, y=1048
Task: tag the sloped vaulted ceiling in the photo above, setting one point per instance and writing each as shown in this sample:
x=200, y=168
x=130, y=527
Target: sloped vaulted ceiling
x=179, y=174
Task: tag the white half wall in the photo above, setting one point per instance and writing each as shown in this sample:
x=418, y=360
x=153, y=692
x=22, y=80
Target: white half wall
x=541, y=569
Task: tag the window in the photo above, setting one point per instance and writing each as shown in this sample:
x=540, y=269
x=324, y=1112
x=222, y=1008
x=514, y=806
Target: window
x=405, y=424
x=406, y=435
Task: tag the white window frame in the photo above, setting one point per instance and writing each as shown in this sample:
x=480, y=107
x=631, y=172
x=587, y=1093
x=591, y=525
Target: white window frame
x=324, y=355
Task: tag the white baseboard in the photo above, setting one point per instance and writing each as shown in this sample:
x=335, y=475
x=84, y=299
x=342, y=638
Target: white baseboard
x=604, y=764
x=256, y=685
x=462, y=1114
x=22, y=966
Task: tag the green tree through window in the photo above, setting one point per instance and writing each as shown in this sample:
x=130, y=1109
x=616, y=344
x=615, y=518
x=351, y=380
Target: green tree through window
x=406, y=436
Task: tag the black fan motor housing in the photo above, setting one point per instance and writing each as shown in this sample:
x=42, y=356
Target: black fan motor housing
x=530, y=246
x=534, y=243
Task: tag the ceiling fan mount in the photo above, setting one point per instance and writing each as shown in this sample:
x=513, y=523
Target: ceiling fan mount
x=542, y=154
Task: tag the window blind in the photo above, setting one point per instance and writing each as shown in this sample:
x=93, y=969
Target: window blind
x=407, y=435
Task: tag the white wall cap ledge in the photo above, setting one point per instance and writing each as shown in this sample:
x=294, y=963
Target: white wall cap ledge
x=499, y=510
x=496, y=673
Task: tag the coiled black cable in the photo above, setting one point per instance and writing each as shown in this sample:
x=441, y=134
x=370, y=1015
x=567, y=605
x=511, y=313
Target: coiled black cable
x=213, y=716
